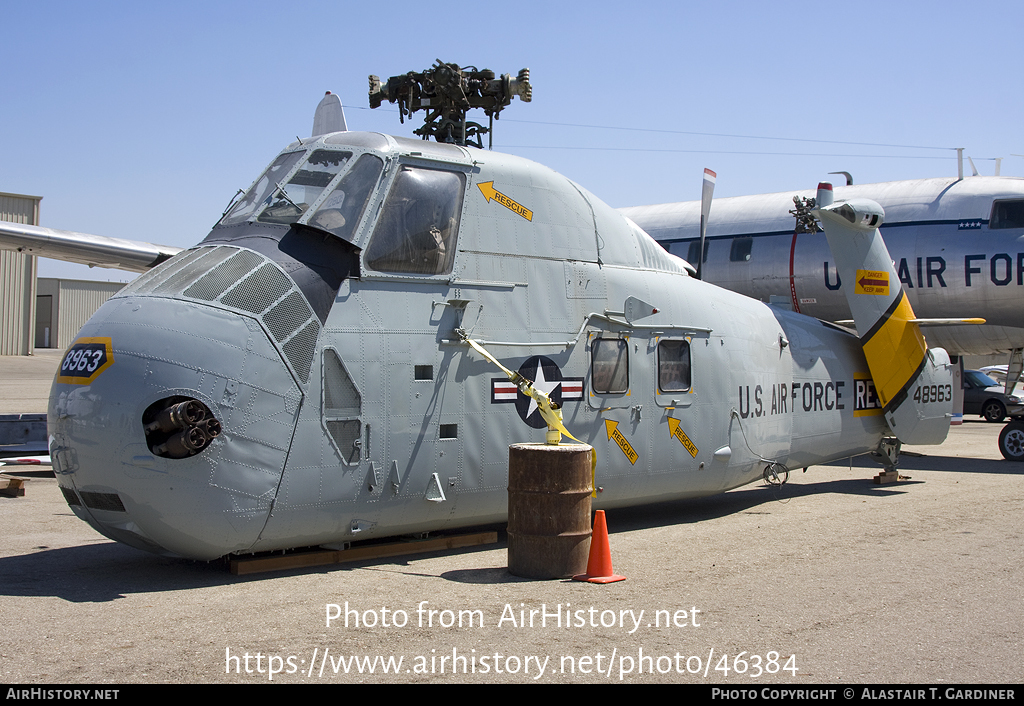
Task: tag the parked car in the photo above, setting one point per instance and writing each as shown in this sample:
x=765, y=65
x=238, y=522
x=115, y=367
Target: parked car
x=998, y=373
x=984, y=396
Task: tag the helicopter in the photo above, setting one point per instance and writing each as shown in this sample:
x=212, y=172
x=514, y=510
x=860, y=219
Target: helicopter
x=320, y=369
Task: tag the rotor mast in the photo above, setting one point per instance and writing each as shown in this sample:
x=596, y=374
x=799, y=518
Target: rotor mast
x=446, y=92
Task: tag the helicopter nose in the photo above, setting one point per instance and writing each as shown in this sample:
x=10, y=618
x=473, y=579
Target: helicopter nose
x=173, y=413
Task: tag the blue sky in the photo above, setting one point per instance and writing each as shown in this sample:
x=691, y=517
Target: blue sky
x=140, y=120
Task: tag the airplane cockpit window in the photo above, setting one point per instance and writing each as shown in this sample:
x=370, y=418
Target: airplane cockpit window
x=259, y=191
x=1007, y=214
x=417, y=228
x=289, y=201
x=341, y=211
x=674, y=366
x=609, y=366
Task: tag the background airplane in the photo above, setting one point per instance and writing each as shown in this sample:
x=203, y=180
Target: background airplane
x=958, y=247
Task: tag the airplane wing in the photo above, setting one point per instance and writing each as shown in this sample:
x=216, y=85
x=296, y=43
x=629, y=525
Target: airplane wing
x=85, y=249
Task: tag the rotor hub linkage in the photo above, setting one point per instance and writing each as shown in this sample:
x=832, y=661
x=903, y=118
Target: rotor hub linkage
x=446, y=92
x=805, y=222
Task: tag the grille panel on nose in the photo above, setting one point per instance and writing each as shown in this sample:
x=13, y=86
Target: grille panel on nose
x=244, y=281
x=219, y=279
x=102, y=501
x=258, y=290
x=71, y=497
x=287, y=316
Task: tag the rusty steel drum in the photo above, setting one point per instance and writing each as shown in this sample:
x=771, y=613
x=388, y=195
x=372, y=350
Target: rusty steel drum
x=549, y=491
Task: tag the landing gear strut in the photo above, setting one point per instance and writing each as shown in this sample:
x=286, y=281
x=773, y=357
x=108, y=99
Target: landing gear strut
x=888, y=454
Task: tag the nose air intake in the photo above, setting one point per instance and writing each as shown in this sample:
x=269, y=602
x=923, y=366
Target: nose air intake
x=177, y=428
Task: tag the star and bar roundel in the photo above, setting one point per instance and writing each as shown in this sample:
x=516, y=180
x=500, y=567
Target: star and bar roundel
x=546, y=377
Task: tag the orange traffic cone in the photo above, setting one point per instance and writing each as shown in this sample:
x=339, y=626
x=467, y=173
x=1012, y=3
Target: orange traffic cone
x=599, y=565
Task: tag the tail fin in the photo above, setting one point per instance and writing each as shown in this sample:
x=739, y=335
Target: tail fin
x=913, y=382
x=329, y=116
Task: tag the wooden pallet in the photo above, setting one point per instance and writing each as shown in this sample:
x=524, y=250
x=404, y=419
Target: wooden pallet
x=887, y=477
x=242, y=566
x=13, y=488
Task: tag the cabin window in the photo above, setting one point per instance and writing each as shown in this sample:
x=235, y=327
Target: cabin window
x=740, y=250
x=674, y=366
x=691, y=255
x=417, y=228
x=341, y=211
x=609, y=367
x=1007, y=214
x=290, y=201
x=260, y=191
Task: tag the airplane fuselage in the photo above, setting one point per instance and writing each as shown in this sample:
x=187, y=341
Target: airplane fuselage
x=958, y=247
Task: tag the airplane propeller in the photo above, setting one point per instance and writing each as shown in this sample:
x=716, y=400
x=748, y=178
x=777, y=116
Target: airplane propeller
x=705, y=209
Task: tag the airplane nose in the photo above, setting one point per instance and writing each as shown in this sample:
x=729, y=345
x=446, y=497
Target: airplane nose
x=176, y=443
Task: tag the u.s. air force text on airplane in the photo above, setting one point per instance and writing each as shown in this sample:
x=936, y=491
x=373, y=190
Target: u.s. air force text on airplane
x=958, y=245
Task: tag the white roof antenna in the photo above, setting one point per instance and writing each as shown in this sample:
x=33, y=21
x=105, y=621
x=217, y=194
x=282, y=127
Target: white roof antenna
x=329, y=116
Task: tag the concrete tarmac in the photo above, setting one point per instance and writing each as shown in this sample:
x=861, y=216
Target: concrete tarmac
x=25, y=380
x=829, y=579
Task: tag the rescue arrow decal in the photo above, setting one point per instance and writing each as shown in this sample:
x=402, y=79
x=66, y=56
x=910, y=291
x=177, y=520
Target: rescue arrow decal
x=489, y=192
x=613, y=433
x=675, y=431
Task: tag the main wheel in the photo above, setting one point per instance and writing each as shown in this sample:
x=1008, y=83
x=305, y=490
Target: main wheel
x=993, y=411
x=1011, y=441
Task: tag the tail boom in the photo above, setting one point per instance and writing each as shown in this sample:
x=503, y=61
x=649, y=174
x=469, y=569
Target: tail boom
x=913, y=382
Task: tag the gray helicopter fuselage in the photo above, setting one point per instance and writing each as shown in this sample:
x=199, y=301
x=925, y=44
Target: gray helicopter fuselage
x=322, y=323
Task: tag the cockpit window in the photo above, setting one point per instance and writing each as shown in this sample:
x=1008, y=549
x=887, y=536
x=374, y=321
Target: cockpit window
x=259, y=191
x=417, y=228
x=341, y=211
x=290, y=201
x=1007, y=214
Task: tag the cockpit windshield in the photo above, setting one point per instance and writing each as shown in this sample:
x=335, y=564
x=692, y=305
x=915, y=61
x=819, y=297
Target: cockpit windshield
x=259, y=192
x=289, y=201
x=340, y=212
x=338, y=209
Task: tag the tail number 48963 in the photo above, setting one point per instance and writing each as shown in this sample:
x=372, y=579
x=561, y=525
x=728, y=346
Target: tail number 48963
x=933, y=393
